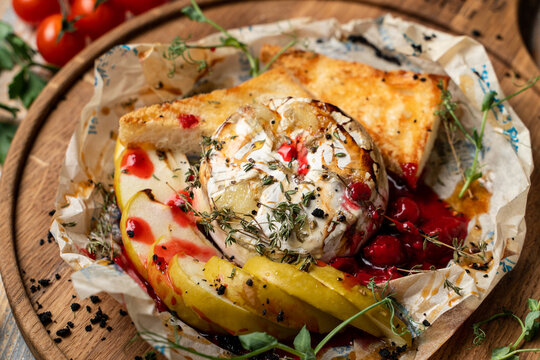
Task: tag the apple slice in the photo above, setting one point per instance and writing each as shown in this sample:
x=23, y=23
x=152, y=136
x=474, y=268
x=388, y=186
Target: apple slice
x=308, y=289
x=158, y=259
x=361, y=297
x=209, y=302
x=266, y=299
x=145, y=167
x=145, y=219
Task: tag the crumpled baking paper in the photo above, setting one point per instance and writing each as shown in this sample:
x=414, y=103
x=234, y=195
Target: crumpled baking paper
x=130, y=76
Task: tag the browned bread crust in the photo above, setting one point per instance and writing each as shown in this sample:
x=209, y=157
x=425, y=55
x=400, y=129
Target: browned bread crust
x=161, y=124
x=396, y=107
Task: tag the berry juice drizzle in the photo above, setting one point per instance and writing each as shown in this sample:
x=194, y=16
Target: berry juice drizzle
x=400, y=243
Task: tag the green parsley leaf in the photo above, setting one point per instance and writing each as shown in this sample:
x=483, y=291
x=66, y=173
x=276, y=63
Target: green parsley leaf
x=256, y=340
x=7, y=131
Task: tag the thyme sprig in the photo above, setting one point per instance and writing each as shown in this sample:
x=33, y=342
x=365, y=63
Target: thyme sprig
x=259, y=342
x=180, y=48
x=529, y=330
x=447, y=110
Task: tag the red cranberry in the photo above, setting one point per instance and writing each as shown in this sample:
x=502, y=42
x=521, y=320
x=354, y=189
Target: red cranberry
x=386, y=250
x=287, y=151
x=405, y=209
x=358, y=192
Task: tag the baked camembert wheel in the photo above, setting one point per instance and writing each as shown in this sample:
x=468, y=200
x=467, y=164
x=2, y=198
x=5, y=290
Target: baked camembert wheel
x=303, y=178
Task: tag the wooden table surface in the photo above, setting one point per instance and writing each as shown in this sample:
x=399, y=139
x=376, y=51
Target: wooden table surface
x=13, y=347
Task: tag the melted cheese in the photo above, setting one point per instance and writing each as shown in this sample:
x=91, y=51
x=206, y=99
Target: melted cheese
x=322, y=151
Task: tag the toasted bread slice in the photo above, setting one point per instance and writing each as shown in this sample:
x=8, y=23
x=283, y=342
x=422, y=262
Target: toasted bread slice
x=397, y=107
x=180, y=124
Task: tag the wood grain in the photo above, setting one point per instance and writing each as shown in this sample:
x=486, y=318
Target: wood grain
x=30, y=176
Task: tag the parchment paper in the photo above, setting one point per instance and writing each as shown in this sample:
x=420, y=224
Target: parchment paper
x=126, y=78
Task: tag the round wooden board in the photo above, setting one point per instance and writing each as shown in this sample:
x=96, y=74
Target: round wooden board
x=31, y=172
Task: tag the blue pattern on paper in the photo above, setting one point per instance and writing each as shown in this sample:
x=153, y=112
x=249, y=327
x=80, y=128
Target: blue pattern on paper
x=507, y=265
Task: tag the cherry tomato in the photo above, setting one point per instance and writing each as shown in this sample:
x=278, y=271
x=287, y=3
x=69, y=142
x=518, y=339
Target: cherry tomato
x=34, y=11
x=139, y=6
x=95, y=22
x=53, y=51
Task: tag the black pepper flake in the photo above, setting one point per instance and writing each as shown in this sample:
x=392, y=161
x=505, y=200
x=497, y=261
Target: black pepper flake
x=328, y=136
x=423, y=79
x=154, y=258
x=318, y=213
x=52, y=212
x=123, y=312
x=130, y=233
x=249, y=282
x=88, y=308
x=44, y=282
x=486, y=275
x=50, y=237
x=103, y=338
x=476, y=33
x=109, y=328
x=95, y=299
x=498, y=37
x=415, y=77
x=41, y=242
x=341, y=218
x=221, y=289
x=57, y=276
x=253, y=212
x=264, y=286
x=280, y=316
x=57, y=340
x=138, y=358
x=65, y=332
x=426, y=323
x=70, y=324
x=75, y=307
x=264, y=312
x=34, y=288
x=45, y=318
x=88, y=328
x=39, y=306
x=32, y=280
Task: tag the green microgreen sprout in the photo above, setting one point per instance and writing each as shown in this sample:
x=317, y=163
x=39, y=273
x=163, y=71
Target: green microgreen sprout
x=259, y=342
x=447, y=110
x=529, y=330
x=180, y=48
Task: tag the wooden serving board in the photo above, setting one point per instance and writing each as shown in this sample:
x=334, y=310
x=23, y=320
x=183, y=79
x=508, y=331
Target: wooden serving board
x=30, y=177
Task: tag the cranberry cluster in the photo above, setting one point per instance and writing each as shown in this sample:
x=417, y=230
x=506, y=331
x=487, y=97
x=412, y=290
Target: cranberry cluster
x=415, y=222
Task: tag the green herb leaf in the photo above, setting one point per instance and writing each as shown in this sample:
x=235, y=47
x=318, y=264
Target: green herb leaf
x=534, y=305
x=499, y=353
x=489, y=97
x=7, y=131
x=20, y=48
x=6, y=60
x=194, y=14
x=26, y=86
x=302, y=341
x=256, y=340
x=11, y=109
x=5, y=30
x=531, y=325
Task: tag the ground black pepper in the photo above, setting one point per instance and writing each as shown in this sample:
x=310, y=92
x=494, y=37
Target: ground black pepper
x=45, y=318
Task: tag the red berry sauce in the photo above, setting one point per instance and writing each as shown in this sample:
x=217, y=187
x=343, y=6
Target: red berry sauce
x=176, y=204
x=138, y=230
x=136, y=162
x=188, y=121
x=400, y=242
